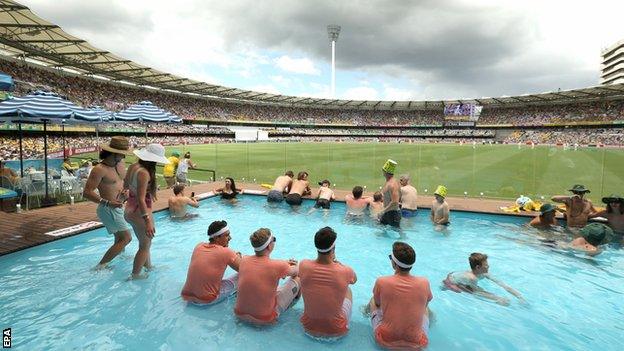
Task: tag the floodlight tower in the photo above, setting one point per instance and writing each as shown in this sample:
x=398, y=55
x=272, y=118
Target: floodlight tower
x=333, y=31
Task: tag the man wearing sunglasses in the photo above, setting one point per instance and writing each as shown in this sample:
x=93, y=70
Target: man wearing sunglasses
x=399, y=306
x=260, y=301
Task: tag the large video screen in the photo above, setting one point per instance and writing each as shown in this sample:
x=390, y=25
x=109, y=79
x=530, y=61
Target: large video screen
x=462, y=112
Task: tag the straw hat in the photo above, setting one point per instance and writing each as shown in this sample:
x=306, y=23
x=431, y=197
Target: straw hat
x=118, y=145
x=152, y=153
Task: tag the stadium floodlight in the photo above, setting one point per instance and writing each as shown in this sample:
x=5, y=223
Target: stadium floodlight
x=333, y=31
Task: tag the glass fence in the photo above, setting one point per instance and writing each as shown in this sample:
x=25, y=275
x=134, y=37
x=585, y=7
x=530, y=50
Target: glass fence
x=482, y=170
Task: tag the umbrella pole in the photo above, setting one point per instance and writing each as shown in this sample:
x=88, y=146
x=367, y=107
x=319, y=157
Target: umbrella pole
x=19, y=126
x=47, y=201
x=45, y=156
x=63, y=134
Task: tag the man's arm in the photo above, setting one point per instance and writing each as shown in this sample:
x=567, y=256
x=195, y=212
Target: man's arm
x=598, y=214
x=236, y=264
x=92, y=183
x=445, y=215
x=561, y=199
x=505, y=286
x=191, y=201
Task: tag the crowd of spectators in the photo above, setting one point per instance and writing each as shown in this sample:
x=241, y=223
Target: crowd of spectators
x=115, y=97
x=562, y=136
x=599, y=111
x=421, y=132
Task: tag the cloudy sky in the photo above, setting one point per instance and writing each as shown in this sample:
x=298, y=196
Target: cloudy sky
x=390, y=50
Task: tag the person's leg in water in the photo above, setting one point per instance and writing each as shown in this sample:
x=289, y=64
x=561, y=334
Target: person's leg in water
x=122, y=239
x=142, y=257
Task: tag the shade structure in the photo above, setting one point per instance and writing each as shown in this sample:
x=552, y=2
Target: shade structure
x=145, y=111
x=6, y=82
x=42, y=107
x=103, y=114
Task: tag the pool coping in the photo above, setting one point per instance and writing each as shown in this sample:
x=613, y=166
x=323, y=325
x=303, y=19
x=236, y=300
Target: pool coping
x=19, y=231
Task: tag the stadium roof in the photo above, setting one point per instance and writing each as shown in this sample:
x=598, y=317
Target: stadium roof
x=25, y=35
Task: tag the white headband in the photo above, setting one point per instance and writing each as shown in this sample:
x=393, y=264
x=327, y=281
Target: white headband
x=220, y=232
x=399, y=263
x=265, y=245
x=328, y=249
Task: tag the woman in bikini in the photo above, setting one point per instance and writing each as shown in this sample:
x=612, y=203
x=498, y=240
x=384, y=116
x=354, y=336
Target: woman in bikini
x=229, y=191
x=141, y=183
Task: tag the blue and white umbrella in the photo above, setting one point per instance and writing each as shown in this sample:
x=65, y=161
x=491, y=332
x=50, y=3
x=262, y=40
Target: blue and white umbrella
x=6, y=82
x=42, y=106
x=104, y=114
x=145, y=111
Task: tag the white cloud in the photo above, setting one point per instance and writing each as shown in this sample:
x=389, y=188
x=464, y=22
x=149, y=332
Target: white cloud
x=361, y=93
x=265, y=88
x=320, y=91
x=396, y=94
x=281, y=80
x=297, y=65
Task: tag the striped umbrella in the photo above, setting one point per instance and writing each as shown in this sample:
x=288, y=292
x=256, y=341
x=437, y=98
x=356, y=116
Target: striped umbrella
x=42, y=106
x=145, y=111
x=104, y=114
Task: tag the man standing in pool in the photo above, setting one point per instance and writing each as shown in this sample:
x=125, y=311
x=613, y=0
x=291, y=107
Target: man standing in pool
x=204, y=280
x=299, y=188
x=282, y=185
x=409, y=197
x=260, y=301
x=578, y=209
x=107, y=177
x=391, y=196
x=325, y=284
x=399, y=306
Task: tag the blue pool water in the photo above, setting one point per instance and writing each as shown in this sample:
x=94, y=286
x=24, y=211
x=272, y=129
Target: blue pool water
x=52, y=300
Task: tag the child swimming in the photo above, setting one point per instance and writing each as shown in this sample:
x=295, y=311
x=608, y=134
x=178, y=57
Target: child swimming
x=468, y=281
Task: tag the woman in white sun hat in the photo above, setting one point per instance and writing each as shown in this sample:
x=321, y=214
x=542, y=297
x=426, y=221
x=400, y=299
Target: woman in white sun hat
x=141, y=181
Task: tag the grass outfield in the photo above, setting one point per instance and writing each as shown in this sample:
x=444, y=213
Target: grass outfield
x=497, y=171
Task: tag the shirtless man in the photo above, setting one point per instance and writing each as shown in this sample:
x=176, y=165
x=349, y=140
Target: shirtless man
x=546, y=219
x=356, y=204
x=280, y=187
x=440, y=208
x=614, y=213
x=578, y=209
x=408, y=197
x=391, y=196
x=376, y=206
x=325, y=195
x=178, y=203
x=299, y=188
x=107, y=177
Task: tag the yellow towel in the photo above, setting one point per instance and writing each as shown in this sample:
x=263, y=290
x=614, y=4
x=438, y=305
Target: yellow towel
x=265, y=185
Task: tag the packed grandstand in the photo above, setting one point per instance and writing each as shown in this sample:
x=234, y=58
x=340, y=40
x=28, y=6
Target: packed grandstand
x=207, y=121
x=589, y=116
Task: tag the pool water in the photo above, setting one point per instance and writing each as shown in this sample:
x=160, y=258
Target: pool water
x=52, y=300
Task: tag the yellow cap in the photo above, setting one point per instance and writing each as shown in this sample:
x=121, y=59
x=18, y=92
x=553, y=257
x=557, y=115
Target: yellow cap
x=389, y=166
x=441, y=190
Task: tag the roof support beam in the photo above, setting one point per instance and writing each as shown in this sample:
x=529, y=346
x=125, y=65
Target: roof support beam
x=81, y=53
x=53, y=41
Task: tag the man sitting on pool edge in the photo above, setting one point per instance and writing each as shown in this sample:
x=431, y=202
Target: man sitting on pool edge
x=260, y=301
x=399, y=306
x=325, y=282
x=204, y=280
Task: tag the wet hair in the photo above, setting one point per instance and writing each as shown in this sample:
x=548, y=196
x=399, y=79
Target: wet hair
x=477, y=259
x=289, y=173
x=404, y=253
x=324, y=238
x=104, y=154
x=151, y=168
x=357, y=192
x=178, y=188
x=610, y=209
x=377, y=196
x=215, y=227
x=259, y=237
x=301, y=175
x=233, y=187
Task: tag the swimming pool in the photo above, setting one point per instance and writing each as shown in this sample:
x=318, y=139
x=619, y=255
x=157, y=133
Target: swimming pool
x=52, y=300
